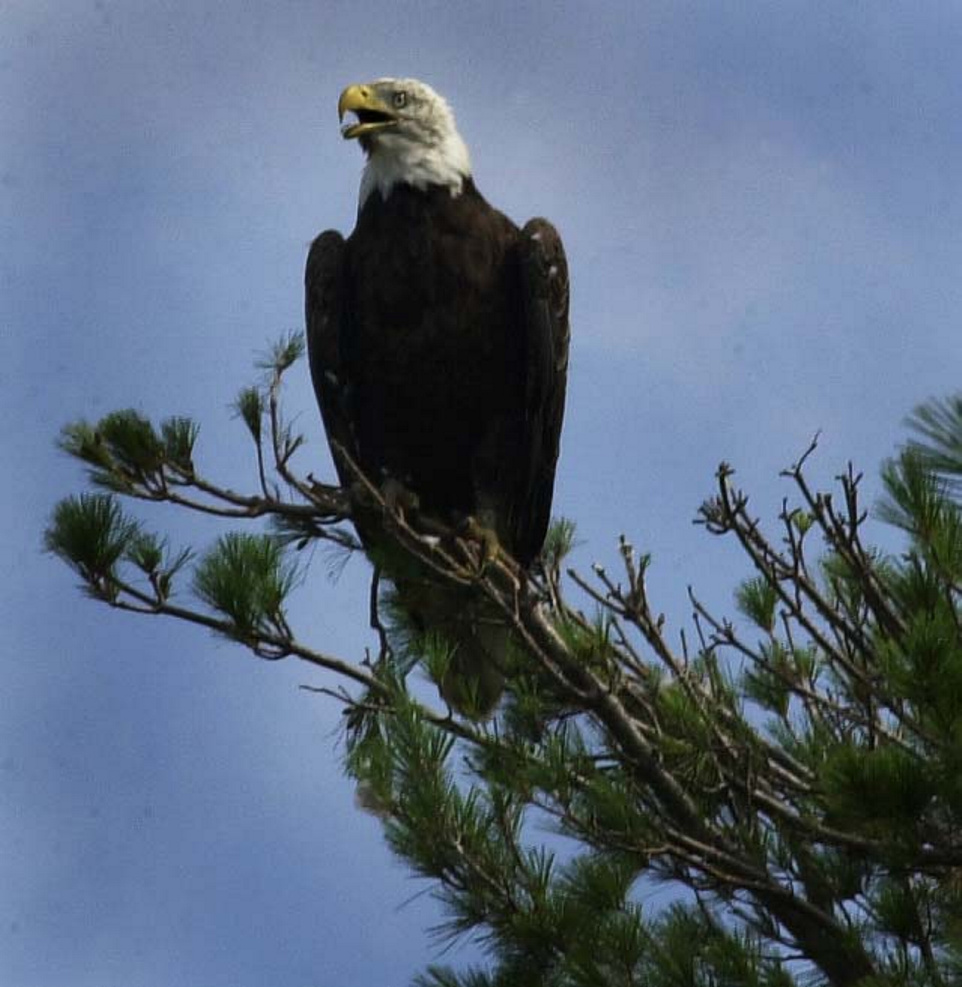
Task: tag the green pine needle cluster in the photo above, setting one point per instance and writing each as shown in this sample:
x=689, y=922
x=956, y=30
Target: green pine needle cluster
x=283, y=354
x=937, y=425
x=249, y=406
x=94, y=536
x=247, y=578
x=91, y=534
x=124, y=450
x=559, y=541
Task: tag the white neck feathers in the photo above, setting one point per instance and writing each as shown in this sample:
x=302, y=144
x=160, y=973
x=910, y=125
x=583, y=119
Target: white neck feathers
x=395, y=160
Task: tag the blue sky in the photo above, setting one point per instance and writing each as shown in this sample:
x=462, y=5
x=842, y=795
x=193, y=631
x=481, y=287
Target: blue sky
x=762, y=212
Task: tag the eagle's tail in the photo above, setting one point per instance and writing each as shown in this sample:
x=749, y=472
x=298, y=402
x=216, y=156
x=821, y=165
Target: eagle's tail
x=475, y=641
x=474, y=680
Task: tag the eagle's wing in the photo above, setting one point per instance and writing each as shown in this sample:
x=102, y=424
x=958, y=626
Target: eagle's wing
x=326, y=312
x=544, y=289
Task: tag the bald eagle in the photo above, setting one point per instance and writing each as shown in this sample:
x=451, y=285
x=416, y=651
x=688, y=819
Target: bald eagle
x=438, y=342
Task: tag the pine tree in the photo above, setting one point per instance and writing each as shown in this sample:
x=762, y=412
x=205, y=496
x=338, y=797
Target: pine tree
x=794, y=772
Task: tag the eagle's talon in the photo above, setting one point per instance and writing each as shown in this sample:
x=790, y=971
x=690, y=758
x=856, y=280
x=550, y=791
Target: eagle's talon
x=399, y=498
x=489, y=548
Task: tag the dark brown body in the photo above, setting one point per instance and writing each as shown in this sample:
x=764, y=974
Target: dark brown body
x=438, y=337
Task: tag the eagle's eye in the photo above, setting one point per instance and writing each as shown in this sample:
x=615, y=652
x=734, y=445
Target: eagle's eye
x=400, y=99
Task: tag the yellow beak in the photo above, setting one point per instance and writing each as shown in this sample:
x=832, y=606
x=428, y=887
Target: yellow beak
x=372, y=112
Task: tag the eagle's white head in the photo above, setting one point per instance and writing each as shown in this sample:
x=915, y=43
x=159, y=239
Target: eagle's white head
x=408, y=133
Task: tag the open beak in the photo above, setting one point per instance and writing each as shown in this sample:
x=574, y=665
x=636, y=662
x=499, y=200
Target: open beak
x=372, y=112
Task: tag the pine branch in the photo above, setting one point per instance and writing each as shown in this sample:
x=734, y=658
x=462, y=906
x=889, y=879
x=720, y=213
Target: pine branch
x=827, y=835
